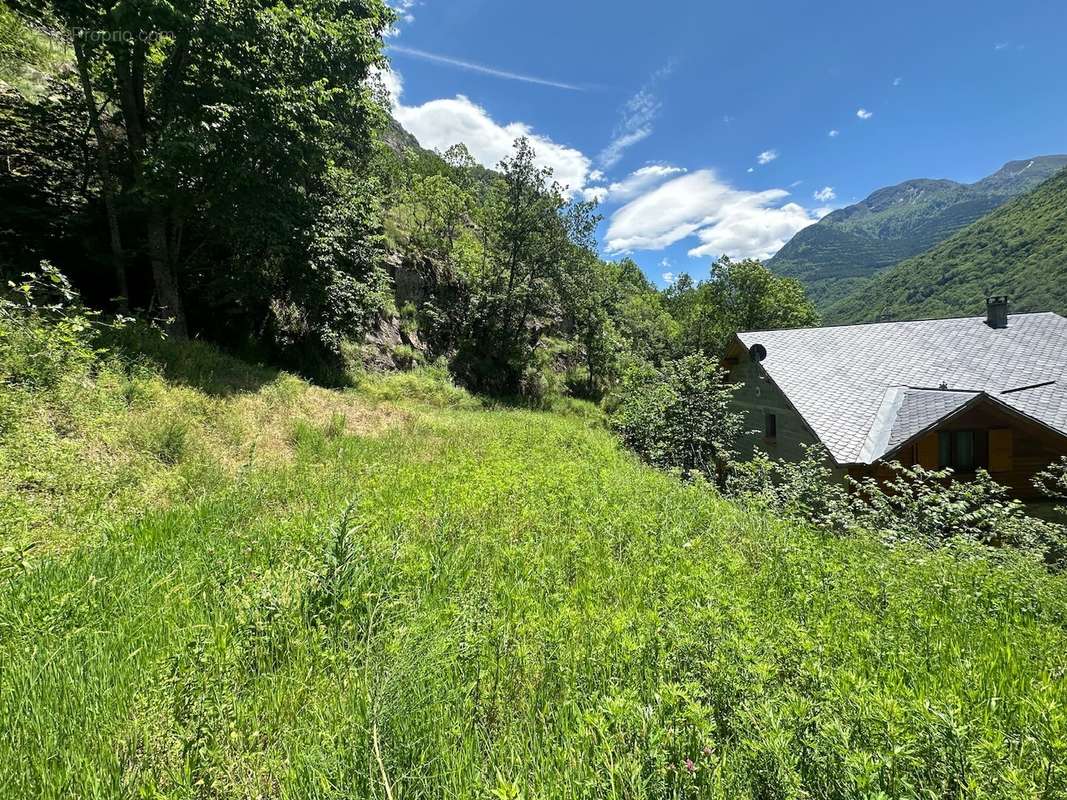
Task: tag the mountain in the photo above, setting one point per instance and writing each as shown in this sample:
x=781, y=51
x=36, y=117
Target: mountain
x=832, y=257
x=1019, y=250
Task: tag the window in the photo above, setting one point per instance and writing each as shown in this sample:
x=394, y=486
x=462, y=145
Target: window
x=770, y=426
x=956, y=449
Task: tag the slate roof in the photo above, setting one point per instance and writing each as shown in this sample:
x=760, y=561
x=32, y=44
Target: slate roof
x=865, y=389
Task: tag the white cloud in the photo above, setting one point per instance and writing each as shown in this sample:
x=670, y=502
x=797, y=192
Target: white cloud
x=1001, y=45
x=767, y=156
x=668, y=278
x=898, y=81
x=750, y=169
x=822, y=211
x=637, y=116
x=595, y=193
x=834, y=133
x=864, y=113
x=439, y=124
x=642, y=180
x=726, y=220
x=596, y=175
x=403, y=9
x=825, y=194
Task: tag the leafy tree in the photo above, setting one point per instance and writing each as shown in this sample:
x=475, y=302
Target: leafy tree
x=679, y=416
x=533, y=239
x=45, y=186
x=238, y=124
x=739, y=296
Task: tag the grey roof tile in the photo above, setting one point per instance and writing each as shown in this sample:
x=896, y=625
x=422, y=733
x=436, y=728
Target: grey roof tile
x=838, y=378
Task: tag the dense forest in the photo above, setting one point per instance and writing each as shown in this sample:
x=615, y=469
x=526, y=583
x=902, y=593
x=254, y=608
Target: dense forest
x=196, y=173
x=1020, y=250
x=852, y=245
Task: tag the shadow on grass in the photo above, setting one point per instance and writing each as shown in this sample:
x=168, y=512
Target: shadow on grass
x=196, y=364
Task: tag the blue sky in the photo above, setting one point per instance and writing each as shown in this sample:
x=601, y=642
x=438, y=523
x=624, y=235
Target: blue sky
x=709, y=127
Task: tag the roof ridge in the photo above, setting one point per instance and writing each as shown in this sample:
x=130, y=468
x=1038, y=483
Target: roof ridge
x=895, y=322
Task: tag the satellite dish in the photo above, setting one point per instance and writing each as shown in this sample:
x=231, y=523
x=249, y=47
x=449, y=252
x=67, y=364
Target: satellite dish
x=757, y=353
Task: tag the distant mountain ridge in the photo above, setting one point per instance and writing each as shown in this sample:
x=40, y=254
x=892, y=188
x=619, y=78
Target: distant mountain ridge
x=1019, y=250
x=847, y=246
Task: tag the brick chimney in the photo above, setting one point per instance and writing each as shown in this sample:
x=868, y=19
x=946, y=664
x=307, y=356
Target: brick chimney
x=996, y=309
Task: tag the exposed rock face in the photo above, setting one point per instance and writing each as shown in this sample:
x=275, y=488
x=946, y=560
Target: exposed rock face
x=383, y=347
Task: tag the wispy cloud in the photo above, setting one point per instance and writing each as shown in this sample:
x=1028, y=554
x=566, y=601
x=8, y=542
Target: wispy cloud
x=642, y=180
x=1001, y=45
x=898, y=81
x=834, y=133
x=480, y=68
x=767, y=156
x=637, y=116
x=864, y=113
x=825, y=194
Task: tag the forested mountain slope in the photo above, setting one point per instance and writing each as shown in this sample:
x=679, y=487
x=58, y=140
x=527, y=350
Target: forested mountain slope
x=1019, y=250
x=897, y=222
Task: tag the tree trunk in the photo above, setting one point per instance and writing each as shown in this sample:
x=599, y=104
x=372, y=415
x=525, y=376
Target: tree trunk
x=165, y=276
x=161, y=252
x=118, y=252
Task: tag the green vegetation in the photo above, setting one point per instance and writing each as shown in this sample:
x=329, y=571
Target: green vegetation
x=1019, y=250
x=220, y=581
x=335, y=243
x=678, y=417
x=836, y=255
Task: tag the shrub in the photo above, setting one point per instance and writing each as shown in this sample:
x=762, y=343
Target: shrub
x=803, y=490
x=931, y=507
x=407, y=357
x=45, y=334
x=678, y=416
x=1053, y=482
x=915, y=504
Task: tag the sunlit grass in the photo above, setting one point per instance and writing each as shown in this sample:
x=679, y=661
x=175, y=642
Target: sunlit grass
x=459, y=602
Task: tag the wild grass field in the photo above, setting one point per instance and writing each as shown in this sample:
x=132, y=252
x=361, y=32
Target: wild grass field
x=219, y=581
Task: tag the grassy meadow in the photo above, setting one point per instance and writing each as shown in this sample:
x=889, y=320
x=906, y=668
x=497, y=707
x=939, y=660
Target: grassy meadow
x=219, y=581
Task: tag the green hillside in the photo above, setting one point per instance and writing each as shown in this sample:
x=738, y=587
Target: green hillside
x=219, y=581
x=849, y=245
x=1019, y=250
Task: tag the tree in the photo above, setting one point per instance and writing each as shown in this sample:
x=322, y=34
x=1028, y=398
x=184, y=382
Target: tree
x=230, y=115
x=739, y=296
x=678, y=416
x=532, y=236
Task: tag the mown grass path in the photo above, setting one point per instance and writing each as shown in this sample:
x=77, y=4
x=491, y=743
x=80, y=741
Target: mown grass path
x=515, y=608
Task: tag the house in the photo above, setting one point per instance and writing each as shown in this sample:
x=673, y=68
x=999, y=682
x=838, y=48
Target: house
x=971, y=393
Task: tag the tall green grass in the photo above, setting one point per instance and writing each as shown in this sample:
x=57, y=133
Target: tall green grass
x=476, y=603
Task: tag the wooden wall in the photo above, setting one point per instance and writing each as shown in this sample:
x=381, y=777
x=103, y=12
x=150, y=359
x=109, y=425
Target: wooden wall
x=1018, y=449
